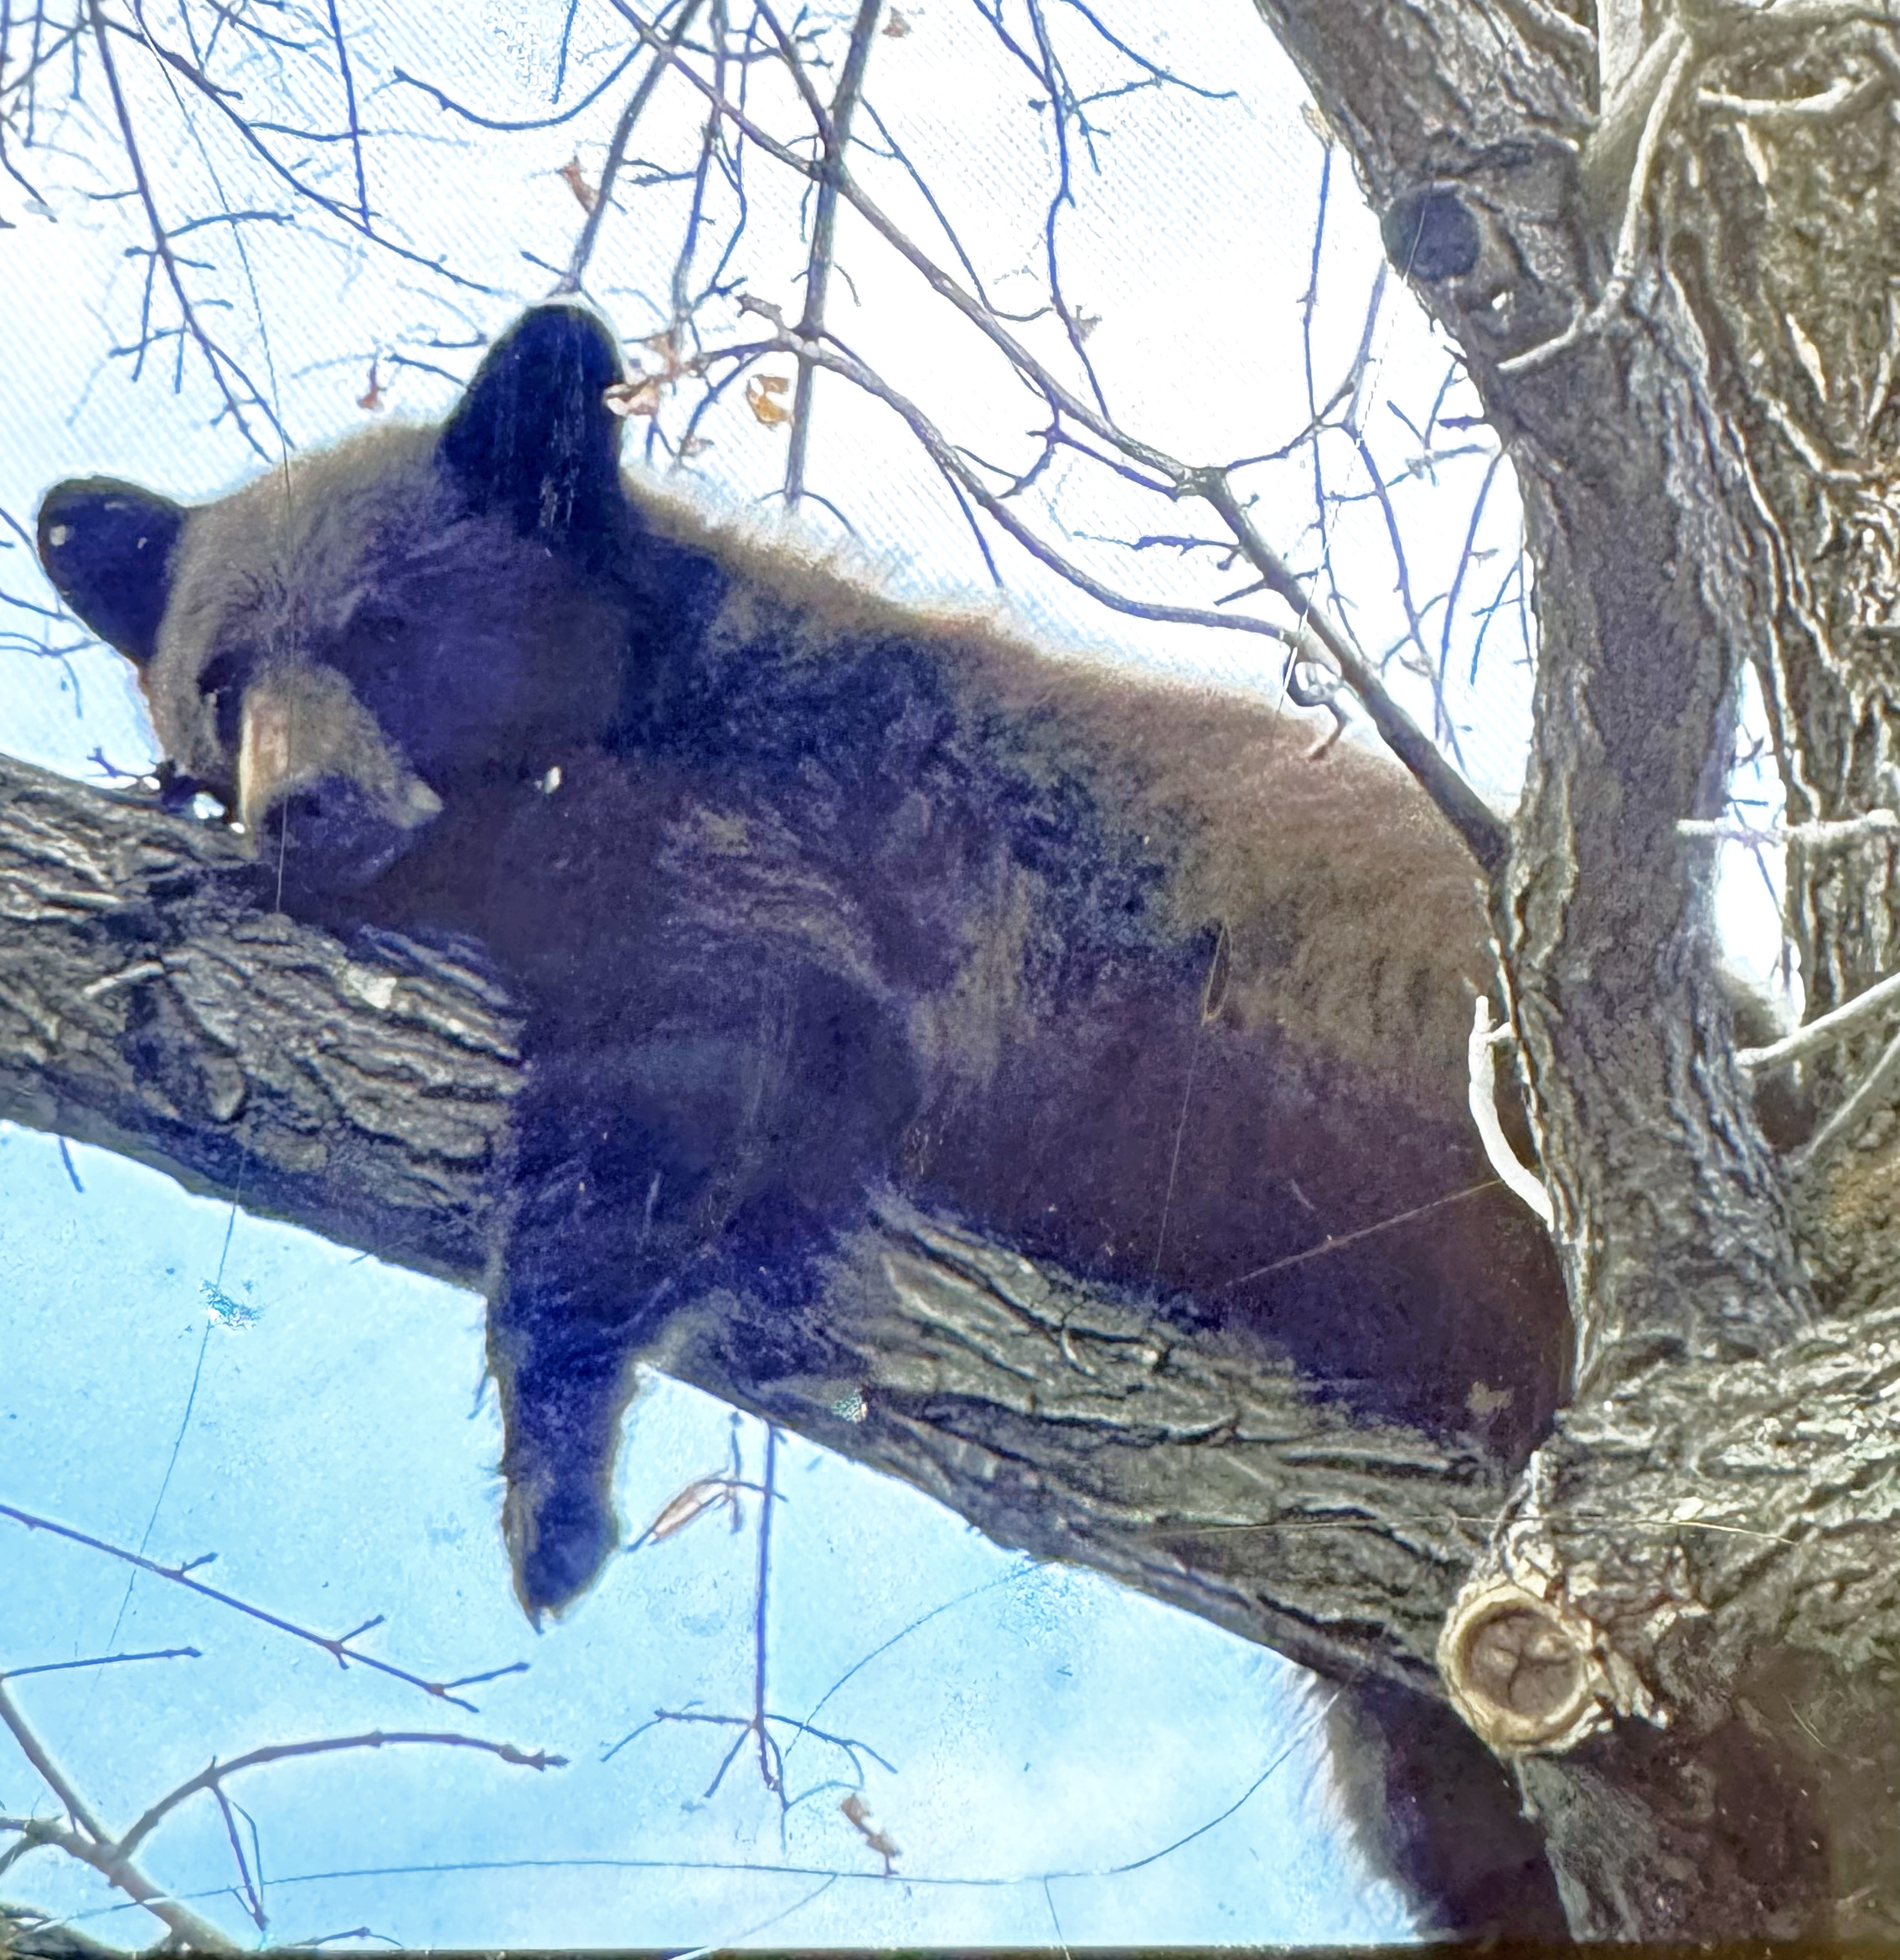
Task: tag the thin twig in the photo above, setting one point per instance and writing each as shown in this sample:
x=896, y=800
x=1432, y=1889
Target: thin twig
x=1062, y=105
x=215, y=358
x=101, y=1660
x=951, y=463
x=1465, y=562
x=355, y=128
x=617, y=153
x=214, y=1774
x=762, y=1592
x=834, y=133
x=337, y=1649
x=248, y=133
x=501, y=127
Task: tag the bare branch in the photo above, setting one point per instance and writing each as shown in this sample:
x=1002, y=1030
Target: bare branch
x=617, y=148
x=1684, y=52
x=92, y=1844
x=1822, y=834
x=1512, y=1175
x=223, y=369
x=834, y=134
x=212, y=1776
x=1873, y=1092
x=950, y=462
x=1827, y=1029
x=100, y=1660
x=353, y=127
x=1482, y=831
x=339, y=1648
x=1841, y=103
x=1062, y=106
x=771, y=1774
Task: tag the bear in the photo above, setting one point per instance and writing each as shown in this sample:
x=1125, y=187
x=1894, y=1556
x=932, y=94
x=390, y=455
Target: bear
x=807, y=895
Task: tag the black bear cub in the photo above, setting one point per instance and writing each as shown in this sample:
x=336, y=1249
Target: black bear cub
x=808, y=899
x=806, y=896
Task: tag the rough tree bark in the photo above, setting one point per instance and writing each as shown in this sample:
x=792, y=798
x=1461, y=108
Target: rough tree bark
x=1663, y=238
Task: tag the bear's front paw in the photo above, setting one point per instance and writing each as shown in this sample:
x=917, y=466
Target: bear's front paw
x=558, y=1536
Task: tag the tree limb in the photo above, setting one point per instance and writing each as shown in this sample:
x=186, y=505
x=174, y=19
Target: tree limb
x=148, y=1005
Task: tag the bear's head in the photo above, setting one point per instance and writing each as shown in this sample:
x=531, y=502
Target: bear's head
x=334, y=651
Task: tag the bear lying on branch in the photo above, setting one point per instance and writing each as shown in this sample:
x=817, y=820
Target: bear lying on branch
x=807, y=896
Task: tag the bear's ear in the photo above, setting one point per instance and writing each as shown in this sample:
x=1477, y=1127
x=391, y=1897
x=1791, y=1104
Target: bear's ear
x=534, y=437
x=107, y=548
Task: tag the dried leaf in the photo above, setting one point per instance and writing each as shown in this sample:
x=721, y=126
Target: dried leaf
x=857, y=1813
x=640, y=396
x=585, y=195
x=762, y=392
x=687, y=1507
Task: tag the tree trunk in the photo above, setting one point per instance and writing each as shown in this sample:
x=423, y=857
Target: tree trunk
x=1669, y=265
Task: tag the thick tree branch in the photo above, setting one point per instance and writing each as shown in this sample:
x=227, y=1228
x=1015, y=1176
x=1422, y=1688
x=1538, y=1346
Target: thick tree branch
x=148, y=1004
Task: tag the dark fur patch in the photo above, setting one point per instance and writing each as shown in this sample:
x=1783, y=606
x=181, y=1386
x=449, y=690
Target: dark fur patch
x=107, y=548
